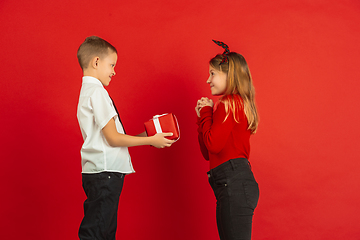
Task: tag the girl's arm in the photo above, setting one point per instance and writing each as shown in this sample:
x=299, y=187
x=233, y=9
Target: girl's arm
x=215, y=131
x=116, y=139
x=200, y=104
x=203, y=148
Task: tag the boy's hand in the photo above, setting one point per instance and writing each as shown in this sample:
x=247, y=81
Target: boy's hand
x=159, y=140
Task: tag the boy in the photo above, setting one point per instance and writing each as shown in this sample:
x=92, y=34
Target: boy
x=104, y=154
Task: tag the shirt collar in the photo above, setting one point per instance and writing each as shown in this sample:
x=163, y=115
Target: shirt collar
x=89, y=79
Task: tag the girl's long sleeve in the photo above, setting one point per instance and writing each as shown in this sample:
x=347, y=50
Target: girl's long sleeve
x=213, y=130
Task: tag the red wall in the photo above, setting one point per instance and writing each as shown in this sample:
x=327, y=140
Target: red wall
x=304, y=58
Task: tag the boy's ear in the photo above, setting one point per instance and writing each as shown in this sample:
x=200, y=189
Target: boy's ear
x=94, y=62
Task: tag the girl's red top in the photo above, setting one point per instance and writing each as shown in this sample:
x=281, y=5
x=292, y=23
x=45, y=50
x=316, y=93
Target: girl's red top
x=222, y=140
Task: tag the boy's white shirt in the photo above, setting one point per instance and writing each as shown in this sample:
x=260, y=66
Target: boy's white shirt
x=95, y=109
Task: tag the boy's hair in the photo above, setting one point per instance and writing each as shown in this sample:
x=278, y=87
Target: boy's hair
x=240, y=89
x=93, y=46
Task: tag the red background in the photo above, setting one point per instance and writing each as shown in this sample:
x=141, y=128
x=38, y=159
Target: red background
x=304, y=59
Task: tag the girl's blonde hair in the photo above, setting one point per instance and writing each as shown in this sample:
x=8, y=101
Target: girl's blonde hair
x=240, y=90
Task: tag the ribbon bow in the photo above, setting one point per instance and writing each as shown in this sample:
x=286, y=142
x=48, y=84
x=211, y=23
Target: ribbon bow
x=226, y=50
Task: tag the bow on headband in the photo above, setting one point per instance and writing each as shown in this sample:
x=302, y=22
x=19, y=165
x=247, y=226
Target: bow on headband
x=226, y=51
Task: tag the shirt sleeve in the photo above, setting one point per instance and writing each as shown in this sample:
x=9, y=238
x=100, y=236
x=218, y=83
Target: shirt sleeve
x=102, y=107
x=213, y=129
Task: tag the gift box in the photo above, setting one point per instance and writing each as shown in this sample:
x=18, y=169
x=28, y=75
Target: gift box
x=163, y=123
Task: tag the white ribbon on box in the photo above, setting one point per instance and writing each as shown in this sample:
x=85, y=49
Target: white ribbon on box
x=157, y=123
x=158, y=126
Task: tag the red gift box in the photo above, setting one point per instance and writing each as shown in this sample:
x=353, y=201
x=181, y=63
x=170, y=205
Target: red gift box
x=163, y=123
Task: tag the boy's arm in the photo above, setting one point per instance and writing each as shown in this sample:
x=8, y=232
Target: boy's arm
x=116, y=139
x=143, y=134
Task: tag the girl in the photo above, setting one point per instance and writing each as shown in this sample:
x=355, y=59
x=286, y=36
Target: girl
x=224, y=135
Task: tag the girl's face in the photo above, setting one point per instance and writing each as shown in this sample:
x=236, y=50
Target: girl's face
x=217, y=81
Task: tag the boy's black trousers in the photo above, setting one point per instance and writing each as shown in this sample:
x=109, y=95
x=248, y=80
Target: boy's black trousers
x=100, y=208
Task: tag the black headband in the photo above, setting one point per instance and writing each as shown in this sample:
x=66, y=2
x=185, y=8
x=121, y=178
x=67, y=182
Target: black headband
x=226, y=51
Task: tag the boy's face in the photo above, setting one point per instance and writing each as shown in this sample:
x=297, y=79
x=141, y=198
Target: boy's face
x=106, y=68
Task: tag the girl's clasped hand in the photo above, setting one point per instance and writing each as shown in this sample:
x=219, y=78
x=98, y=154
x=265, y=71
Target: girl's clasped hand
x=204, y=101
